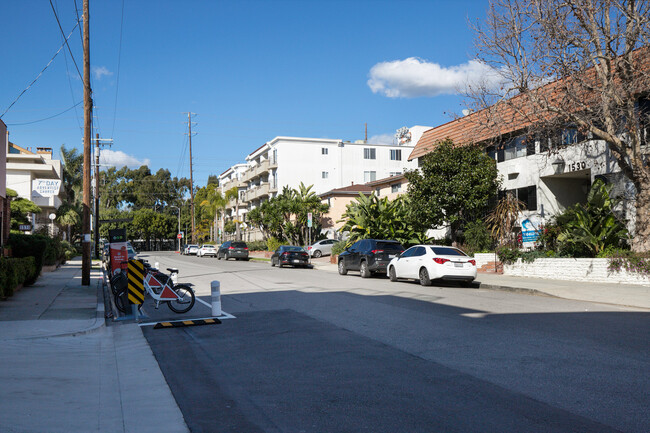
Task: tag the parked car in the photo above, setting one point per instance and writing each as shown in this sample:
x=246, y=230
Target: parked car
x=191, y=249
x=432, y=262
x=321, y=248
x=233, y=250
x=132, y=253
x=368, y=256
x=207, y=250
x=290, y=255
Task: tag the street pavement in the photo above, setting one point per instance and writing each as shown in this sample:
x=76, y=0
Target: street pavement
x=64, y=370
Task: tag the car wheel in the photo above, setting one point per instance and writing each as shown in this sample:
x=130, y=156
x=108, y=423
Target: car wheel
x=317, y=254
x=364, y=271
x=218, y=256
x=391, y=273
x=343, y=270
x=424, y=277
x=272, y=263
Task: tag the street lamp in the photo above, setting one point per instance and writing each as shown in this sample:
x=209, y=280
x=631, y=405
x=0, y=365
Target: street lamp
x=52, y=217
x=179, y=226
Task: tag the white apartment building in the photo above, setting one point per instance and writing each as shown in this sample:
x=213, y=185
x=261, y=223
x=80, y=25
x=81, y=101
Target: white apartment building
x=24, y=171
x=324, y=163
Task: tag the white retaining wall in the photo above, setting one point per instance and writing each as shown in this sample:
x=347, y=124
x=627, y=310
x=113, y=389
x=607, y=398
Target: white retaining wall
x=592, y=270
x=485, y=258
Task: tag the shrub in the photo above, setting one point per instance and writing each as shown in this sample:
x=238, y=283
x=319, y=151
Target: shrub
x=477, y=236
x=638, y=263
x=272, y=244
x=257, y=246
x=338, y=248
x=26, y=246
x=14, y=271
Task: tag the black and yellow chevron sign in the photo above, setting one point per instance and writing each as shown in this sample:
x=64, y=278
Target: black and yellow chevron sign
x=135, y=286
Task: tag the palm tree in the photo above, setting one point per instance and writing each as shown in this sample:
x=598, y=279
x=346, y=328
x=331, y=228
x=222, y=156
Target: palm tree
x=68, y=216
x=233, y=194
x=214, y=202
x=503, y=217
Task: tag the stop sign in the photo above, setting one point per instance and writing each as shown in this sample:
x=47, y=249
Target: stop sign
x=179, y=236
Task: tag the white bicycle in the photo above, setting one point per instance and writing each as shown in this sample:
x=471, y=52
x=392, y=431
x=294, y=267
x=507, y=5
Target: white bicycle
x=179, y=298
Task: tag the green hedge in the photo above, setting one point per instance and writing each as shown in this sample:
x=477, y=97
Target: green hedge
x=30, y=245
x=15, y=271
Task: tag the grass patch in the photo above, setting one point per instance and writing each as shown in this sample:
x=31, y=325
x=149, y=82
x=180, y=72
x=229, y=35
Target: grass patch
x=259, y=259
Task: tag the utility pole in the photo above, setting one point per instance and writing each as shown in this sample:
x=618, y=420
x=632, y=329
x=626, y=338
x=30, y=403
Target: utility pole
x=189, y=126
x=98, y=142
x=85, y=229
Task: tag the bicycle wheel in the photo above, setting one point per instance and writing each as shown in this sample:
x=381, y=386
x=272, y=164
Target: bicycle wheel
x=118, y=283
x=186, y=301
x=118, y=301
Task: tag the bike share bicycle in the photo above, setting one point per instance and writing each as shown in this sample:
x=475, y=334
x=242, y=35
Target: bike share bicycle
x=179, y=298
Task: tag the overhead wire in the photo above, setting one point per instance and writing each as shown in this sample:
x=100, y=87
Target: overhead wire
x=40, y=73
x=67, y=69
x=66, y=40
x=46, y=118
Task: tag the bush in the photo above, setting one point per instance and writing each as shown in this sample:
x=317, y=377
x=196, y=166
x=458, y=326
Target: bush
x=14, y=271
x=30, y=245
x=272, y=244
x=257, y=246
x=477, y=237
x=638, y=263
x=68, y=250
x=338, y=248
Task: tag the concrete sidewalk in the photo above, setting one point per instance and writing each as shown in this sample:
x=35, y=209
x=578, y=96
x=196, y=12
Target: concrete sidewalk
x=628, y=295
x=63, y=370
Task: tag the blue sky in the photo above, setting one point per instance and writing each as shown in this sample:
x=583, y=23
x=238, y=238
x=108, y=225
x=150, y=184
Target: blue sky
x=251, y=70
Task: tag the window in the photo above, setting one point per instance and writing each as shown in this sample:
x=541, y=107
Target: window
x=324, y=174
x=396, y=187
x=527, y=194
x=369, y=176
x=378, y=191
x=395, y=154
x=369, y=153
x=323, y=150
x=515, y=148
x=394, y=173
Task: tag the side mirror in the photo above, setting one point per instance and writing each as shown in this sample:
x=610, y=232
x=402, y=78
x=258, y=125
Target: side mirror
x=398, y=255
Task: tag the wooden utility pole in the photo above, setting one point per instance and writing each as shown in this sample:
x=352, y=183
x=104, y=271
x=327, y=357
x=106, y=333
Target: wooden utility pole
x=189, y=125
x=88, y=106
x=96, y=196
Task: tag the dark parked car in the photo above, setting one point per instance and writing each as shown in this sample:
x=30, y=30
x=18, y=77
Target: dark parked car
x=368, y=256
x=290, y=255
x=233, y=250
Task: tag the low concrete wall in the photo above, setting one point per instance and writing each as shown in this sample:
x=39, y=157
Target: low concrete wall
x=485, y=258
x=590, y=270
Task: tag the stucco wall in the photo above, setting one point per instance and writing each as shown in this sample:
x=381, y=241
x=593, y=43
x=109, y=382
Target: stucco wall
x=590, y=270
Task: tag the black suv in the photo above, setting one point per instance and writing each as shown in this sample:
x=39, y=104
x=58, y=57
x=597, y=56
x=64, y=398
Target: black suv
x=368, y=256
x=233, y=250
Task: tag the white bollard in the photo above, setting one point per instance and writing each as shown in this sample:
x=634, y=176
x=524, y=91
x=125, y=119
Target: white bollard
x=215, y=289
x=175, y=278
x=156, y=265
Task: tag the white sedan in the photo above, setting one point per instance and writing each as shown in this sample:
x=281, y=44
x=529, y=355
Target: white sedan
x=432, y=262
x=207, y=250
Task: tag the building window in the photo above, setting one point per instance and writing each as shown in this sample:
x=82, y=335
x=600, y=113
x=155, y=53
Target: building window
x=394, y=173
x=324, y=175
x=369, y=153
x=396, y=187
x=378, y=191
x=527, y=194
x=323, y=150
x=369, y=176
x=396, y=154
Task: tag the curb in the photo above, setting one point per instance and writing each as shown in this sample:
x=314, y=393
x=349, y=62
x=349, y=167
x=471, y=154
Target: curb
x=519, y=290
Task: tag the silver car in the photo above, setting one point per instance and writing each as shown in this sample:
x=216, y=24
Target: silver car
x=321, y=248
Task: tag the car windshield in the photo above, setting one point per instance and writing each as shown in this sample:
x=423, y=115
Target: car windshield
x=239, y=244
x=291, y=248
x=447, y=251
x=390, y=246
x=208, y=246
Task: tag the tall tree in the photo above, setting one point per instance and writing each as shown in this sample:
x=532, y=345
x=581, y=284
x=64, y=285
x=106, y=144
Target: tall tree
x=454, y=185
x=585, y=62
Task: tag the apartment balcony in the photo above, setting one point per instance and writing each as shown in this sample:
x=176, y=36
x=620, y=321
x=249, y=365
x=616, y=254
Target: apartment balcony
x=259, y=191
x=235, y=183
x=257, y=171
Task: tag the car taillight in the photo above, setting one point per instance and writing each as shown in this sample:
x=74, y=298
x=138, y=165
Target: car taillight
x=284, y=254
x=308, y=248
x=440, y=261
x=473, y=262
x=231, y=248
x=245, y=248
x=377, y=251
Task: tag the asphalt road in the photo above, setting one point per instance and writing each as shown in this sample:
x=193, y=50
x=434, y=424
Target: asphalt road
x=312, y=351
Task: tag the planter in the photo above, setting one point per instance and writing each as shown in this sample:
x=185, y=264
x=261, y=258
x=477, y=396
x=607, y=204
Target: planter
x=49, y=268
x=588, y=270
x=334, y=259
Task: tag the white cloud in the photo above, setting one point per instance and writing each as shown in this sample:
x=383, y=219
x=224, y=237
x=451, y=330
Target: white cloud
x=100, y=71
x=119, y=159
x=382, y=139
x=414, y=77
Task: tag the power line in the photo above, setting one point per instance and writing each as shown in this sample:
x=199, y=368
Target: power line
x=67, y=69
x=66, y=41
x=119, y=61
x=47, y=118
x=41, y=73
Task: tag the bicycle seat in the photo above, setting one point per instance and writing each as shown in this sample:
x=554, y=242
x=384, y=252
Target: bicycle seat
x=173, y=270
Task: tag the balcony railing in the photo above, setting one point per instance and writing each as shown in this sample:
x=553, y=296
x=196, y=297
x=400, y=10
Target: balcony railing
x=258, y=191
x=256, y=171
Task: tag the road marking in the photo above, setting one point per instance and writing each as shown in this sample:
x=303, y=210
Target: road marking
x=191, y=322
